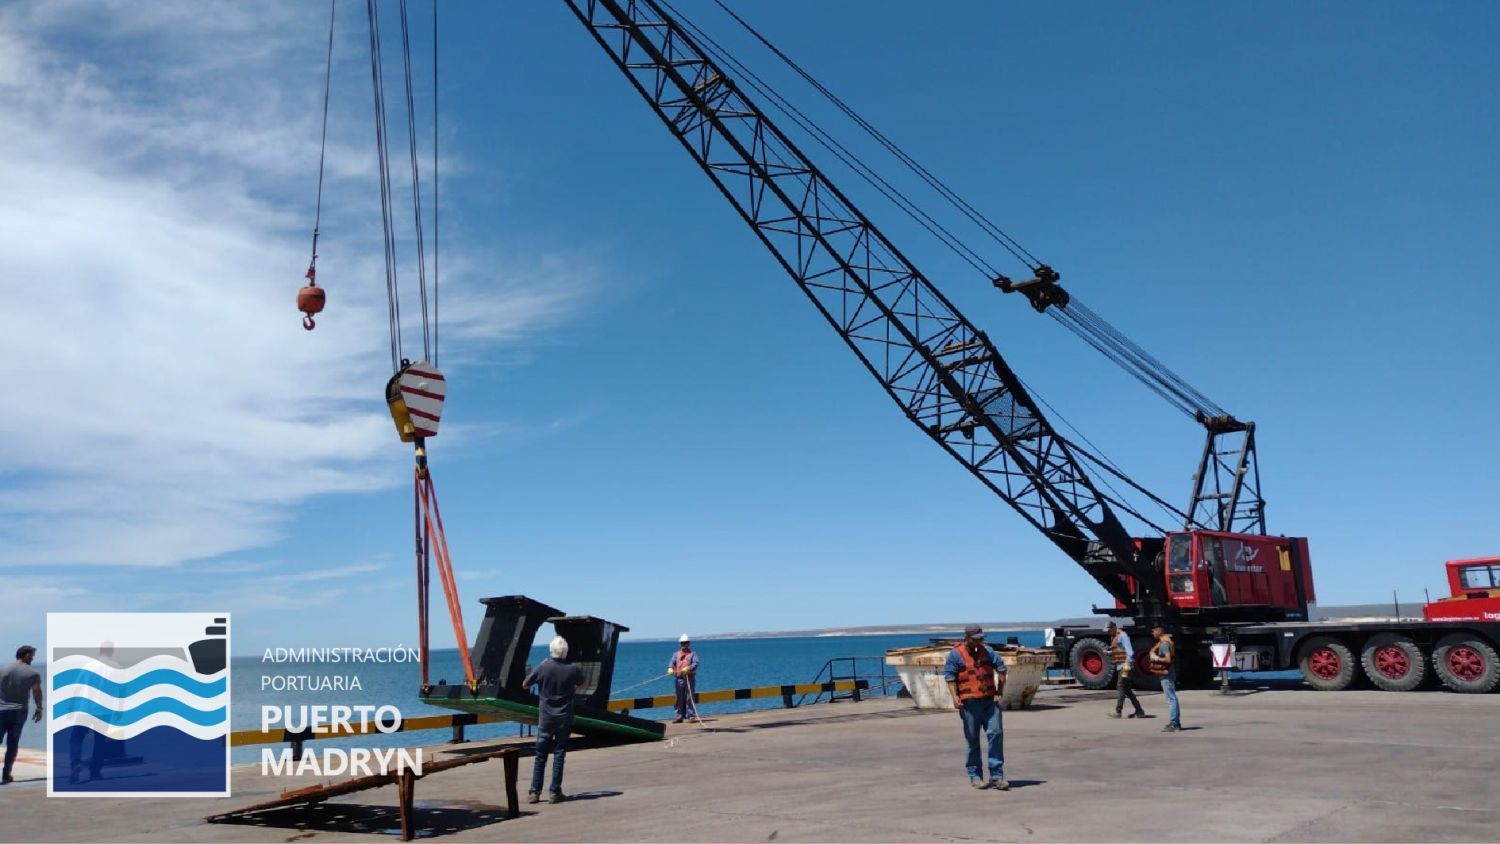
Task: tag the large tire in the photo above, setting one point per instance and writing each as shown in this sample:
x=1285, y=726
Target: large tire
x=1466, y=663
x=1090, y=663
x=1327, y=664
x=1393, y=662
x=1141, y=677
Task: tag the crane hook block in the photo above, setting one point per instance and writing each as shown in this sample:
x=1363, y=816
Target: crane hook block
x=310, y=301
x=415, y=396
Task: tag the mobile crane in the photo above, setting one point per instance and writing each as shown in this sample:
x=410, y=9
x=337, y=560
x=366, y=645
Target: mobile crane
x=1219, y=577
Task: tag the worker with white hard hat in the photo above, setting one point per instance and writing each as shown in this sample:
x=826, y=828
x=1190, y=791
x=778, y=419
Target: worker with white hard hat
x=684, y=668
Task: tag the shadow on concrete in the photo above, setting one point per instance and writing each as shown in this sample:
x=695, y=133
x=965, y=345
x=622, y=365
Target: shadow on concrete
x=1015, y=784
x=433, y=818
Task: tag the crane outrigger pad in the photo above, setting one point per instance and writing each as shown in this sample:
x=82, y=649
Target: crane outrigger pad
x=501, y=650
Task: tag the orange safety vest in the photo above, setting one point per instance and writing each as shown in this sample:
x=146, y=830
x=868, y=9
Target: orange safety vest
x=1116, y=650
x=1160, y=656
x=976, y=680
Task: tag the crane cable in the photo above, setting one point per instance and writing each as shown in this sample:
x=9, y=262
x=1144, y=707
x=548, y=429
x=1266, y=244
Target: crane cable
x=416, y=181
x=835, y=148
x=1073, y=315
x=1009, y=243
x=392, y=285
x=414, y=421
x=311, y=298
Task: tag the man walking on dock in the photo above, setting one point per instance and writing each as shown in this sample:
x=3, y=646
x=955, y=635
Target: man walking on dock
x=18, y=681
x=557, y=681
x=1163, y=660
x=684, y=668
x=1122, y=654
x=976, y=679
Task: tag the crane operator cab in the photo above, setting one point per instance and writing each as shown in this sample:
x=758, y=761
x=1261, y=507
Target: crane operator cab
x=1210, y=569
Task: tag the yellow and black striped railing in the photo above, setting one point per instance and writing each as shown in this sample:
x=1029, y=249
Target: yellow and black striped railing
x=786, y=692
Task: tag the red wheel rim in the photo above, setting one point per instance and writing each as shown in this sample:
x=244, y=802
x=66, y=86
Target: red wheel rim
x=1325, y=663
x=1465, y=663
x=1392, y=663
x=1092, y=663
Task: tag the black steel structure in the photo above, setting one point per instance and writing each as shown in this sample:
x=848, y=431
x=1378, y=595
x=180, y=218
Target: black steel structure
x=942, y=371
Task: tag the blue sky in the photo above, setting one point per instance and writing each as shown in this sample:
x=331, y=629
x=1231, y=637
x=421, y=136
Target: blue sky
x=1294, y=206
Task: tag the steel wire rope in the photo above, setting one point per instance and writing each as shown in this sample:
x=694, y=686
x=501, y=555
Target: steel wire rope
x=436, y=323
x=416, y=182
x=1097, y=457
x=837, y=149
x=1179, y=394
x=323, y=145
x=1140, y=358
x=1009, y=243
x=828, y=142
x=1127, y=353
x=392, y=286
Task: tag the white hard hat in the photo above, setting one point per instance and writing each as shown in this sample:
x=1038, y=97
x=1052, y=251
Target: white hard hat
x=684, y=638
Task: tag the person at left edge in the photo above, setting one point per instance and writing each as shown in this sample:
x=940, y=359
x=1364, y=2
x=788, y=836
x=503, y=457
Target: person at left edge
x=18, y=681
x=976, y=679
x=558, y=681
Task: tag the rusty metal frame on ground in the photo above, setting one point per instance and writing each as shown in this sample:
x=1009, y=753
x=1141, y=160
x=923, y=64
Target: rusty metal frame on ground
x=405, y=783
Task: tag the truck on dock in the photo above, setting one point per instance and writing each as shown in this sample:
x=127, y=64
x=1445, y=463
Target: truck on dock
x=1456, y=643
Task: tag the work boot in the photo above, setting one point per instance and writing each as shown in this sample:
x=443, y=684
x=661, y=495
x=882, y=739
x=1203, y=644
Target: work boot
x=556, y=797
x=1116, y=714
x=533, y=797
x=1139, y=713
x=1000, y=785
x=977, y=783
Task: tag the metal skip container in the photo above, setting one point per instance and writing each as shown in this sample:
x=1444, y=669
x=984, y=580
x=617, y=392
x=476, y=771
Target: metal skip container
x=921, y=671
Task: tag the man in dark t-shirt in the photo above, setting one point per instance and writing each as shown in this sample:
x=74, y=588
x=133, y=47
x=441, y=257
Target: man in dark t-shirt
x=18, y=683
x=557, y=681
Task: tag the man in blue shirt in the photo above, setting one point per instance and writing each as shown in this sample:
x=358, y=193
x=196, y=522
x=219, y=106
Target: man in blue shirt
x=976, y=679
x=1122, y=654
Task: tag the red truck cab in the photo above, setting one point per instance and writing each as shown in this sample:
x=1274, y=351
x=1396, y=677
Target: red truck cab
x=1474, y=592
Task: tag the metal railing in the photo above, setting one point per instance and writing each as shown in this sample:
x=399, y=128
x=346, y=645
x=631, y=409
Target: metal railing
x=883, y=681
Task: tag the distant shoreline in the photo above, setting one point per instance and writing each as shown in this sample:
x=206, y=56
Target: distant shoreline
x=1350, y=612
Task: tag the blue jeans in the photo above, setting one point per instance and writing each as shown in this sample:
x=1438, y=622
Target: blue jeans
x=684, y=706
x=11, y=722
x=983, y=716
x=554, y=742
x=1169, y=688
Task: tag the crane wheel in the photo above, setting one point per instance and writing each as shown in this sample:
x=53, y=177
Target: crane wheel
x=1393, y=662
x=1327, y=664
x=1466, y=663
x=1089, y=661
x=1142, y=678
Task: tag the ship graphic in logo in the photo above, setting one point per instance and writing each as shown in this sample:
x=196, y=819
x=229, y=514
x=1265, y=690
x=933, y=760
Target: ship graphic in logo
x=138, y=704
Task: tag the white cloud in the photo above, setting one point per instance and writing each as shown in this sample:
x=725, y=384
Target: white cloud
x=157, y=179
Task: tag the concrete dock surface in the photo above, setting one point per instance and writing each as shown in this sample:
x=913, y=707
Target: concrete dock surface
x=1261, y=765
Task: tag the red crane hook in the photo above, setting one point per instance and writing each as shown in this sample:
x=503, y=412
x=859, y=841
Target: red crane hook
x=311, y=299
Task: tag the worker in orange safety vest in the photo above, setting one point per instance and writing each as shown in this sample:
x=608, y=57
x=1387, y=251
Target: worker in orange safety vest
x=976, y=679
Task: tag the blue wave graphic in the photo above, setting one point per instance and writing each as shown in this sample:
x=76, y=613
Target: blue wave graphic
x=129, y=716
x=161, y=676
